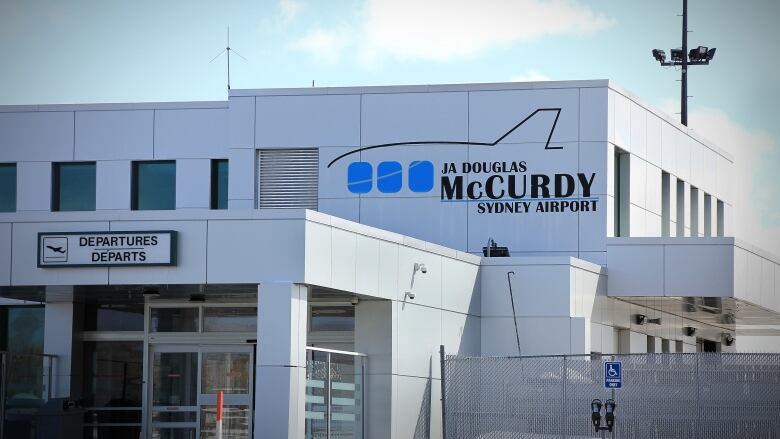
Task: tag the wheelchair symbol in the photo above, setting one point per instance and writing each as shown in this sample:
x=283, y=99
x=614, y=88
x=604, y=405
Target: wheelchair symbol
x=611, y=372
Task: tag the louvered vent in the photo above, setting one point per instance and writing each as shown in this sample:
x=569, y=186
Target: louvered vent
x=288, y=178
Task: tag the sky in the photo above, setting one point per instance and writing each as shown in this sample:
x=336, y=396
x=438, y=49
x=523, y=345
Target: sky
x=78, y=51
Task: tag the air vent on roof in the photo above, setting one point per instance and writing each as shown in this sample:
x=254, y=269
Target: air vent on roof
x=287, y=178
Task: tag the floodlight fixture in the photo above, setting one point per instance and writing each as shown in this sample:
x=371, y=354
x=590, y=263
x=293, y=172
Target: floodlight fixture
x=699, y=56
x=659, y=55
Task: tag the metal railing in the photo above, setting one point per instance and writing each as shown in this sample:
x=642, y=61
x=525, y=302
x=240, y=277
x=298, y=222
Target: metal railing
x=334, y=394
x=702, y=395
x=26, y=383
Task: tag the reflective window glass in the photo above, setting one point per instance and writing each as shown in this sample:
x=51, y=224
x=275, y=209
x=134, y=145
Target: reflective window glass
x=7, y=187
x=113, y=374
x=174, y=433
x=114, y=317
x=239, y=319
x=235, y=421
x=332, y=318
x=154, y=185
x=73, y=186
x=175, y=379
x=225, y=371
x=219, y=184
x=174, y=320
x=123, y=432
x=24, y=329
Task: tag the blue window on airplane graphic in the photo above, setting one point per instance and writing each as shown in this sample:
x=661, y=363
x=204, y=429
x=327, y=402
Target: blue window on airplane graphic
x=359, y=177
x=389, y=176
x=421, y=176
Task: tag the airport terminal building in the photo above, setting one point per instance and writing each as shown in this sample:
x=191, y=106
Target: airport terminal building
x=307, y=251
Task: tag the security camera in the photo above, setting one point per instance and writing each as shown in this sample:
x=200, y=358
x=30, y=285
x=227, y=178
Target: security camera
x=640, y=319
x=690, y=331
x=421, y=267
x=410, y=295
x=354, y=300
x=728, y=339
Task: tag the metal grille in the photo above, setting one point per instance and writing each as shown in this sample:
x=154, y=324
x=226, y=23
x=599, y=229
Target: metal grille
x=287, y=178
x=705, y=395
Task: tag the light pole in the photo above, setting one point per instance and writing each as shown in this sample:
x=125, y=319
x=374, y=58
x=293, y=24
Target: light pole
x=700, y=56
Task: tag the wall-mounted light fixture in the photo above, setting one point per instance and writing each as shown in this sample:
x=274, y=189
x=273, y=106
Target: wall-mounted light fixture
x=728, y=339
x=656, y=321
x=640, y=319
x=690, y=331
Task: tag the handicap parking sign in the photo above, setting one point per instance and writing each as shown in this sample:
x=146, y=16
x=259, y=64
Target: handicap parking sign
x=613, y=374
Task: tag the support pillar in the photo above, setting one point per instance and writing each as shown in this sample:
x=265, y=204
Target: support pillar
x=375, y=336
x=58, y=338
x=280, y=385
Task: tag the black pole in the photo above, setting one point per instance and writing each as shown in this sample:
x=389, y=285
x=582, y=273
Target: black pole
x=684, y=85
x=443, y=405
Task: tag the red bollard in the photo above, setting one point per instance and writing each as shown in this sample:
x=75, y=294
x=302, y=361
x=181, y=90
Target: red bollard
x=219, y=414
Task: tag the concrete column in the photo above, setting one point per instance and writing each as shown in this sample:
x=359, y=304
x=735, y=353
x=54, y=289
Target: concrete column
x=58, y=340
x=375, y=335
x=280, y=386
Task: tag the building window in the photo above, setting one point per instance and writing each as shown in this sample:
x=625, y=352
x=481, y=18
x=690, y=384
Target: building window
x=7, y=187
x=707, y=215
x=112, y=389
x=332, y=318
x=621, y=191
x=114, y=317
x=21, y=329
x=720, y=213
x=694, y=211
x=73, y=186
x=666, y=203
x=219, y=184
x=154, y=185
x=680, y=208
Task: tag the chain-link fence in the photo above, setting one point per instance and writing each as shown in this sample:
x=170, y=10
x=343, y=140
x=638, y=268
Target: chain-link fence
x=691, y=396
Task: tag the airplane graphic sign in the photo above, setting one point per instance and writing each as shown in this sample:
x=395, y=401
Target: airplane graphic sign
x=105, y=249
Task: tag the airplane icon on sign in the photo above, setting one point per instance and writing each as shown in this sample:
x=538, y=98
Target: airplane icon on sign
x=56, y=249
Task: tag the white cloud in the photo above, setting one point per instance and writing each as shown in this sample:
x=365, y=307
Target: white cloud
x=530, y=76
x=323, y=45
x=288, y=9
x=754, y=185
x=450, y=29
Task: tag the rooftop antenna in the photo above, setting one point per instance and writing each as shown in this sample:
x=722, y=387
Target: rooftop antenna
x=227, y=51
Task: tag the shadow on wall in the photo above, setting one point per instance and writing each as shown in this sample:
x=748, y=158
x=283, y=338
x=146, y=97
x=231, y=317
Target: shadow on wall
x=422, y=430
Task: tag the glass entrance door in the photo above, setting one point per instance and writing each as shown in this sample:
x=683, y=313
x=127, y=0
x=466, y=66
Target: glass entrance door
x=185, y=380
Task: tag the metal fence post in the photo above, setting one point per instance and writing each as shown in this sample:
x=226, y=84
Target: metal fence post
x=564, y=376
x=443, y=396
x=698, y=397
